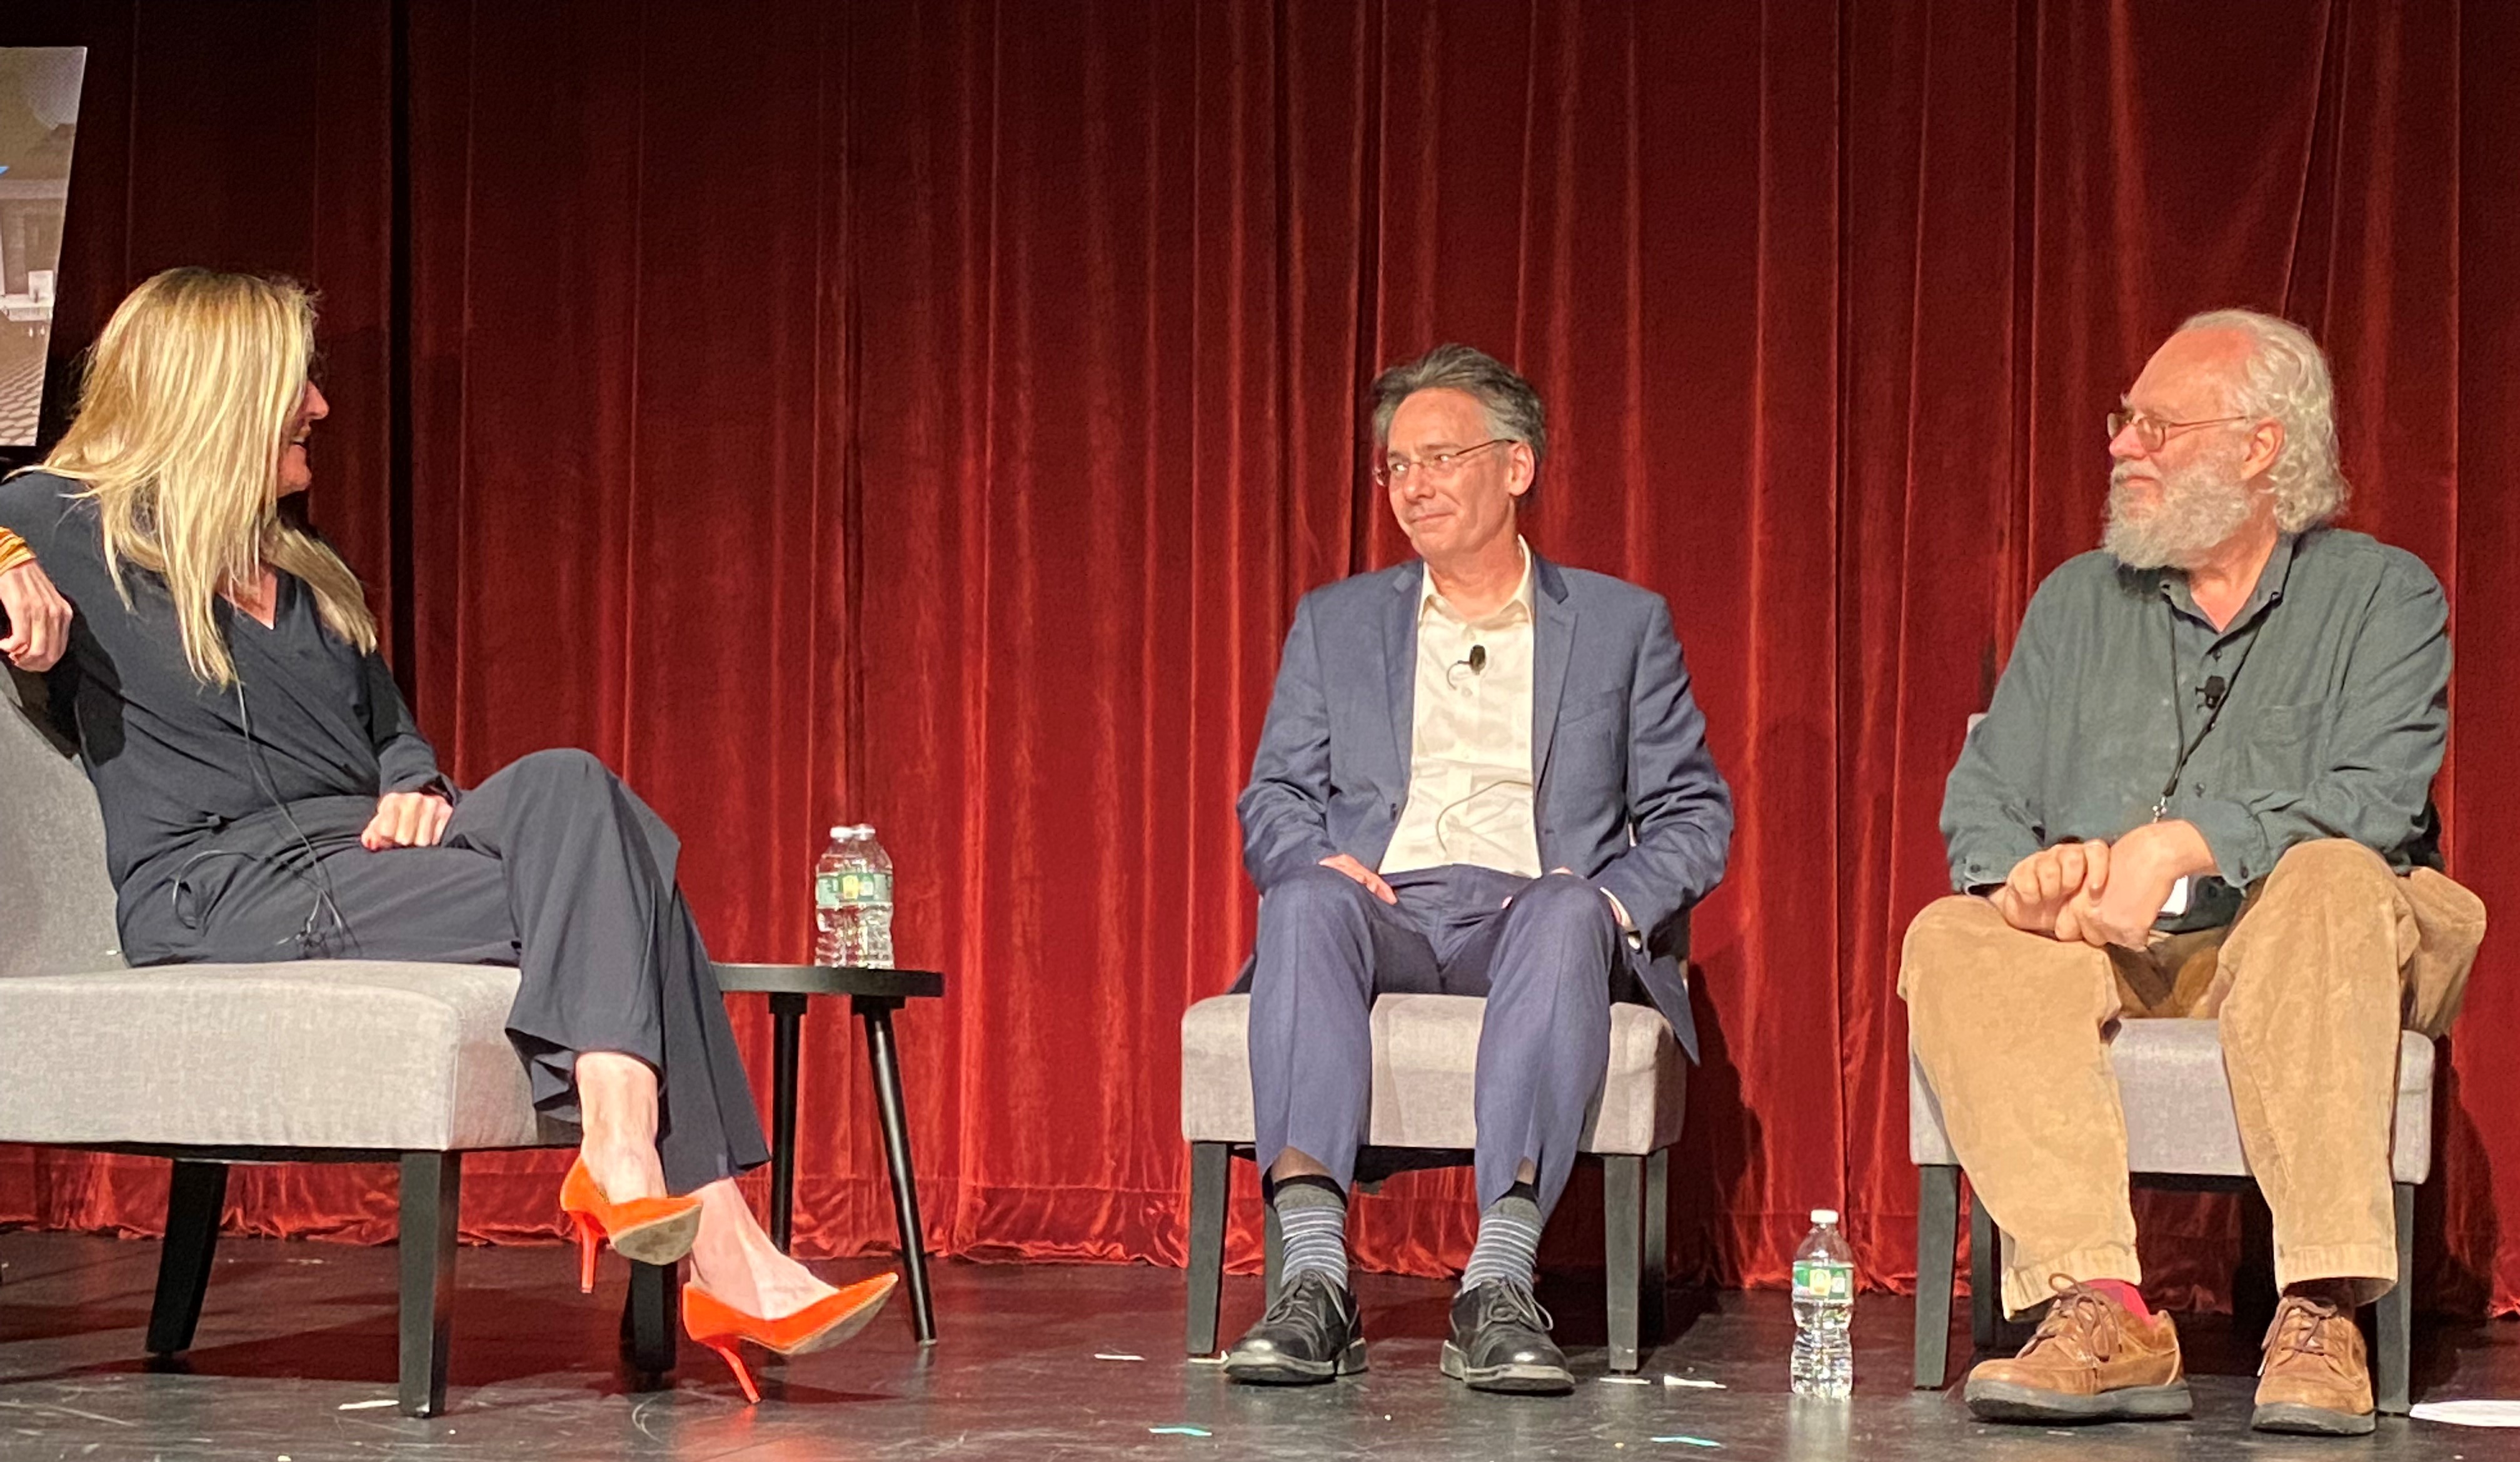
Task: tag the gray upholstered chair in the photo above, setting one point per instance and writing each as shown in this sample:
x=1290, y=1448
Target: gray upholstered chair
x=2180, y=1133
x=209, y=1064
x=1426, y=1049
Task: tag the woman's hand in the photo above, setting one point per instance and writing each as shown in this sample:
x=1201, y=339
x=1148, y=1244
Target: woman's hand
x=407, y=819
x=39, y=619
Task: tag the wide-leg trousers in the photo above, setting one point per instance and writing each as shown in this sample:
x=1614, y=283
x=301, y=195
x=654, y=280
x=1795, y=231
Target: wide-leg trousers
x=552, y=865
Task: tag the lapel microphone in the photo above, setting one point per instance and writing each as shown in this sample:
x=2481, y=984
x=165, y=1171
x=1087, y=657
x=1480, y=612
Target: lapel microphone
x=1478, y=660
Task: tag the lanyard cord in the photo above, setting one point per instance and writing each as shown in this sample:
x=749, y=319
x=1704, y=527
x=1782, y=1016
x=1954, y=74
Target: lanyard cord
x=2214, y=709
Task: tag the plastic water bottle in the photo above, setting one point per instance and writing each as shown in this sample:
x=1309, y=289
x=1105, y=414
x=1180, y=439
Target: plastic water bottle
x=1823, y=1309
x=853, y=901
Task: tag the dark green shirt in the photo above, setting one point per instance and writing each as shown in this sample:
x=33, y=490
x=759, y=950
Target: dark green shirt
x=2335, y=685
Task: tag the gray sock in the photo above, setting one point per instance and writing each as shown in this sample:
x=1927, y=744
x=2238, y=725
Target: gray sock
x=1508, y=1246
x=1312, y=1220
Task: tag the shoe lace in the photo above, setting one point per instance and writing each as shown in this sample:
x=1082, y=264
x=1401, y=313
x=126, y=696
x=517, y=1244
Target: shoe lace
x=2079, y=1321
x=1307, y=1292
x=1507, y=1300
x=2300, y=1328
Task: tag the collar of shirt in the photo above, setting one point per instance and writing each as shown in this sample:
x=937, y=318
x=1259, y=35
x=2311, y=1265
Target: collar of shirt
x=2270, y=587
x=1517, y=607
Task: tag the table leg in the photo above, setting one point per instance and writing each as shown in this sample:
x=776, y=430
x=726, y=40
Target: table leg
x=887, y=1061
x=787, y=1015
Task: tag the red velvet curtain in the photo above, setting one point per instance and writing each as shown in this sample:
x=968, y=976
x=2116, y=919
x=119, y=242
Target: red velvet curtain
x=927, y=413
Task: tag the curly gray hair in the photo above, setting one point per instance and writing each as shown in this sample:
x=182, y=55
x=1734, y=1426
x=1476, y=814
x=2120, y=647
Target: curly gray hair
x=2287, y=382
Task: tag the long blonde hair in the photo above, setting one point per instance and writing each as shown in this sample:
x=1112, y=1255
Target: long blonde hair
x=182, y=421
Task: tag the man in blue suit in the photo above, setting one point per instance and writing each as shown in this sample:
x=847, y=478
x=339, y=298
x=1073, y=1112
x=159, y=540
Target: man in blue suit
x=1441, y=733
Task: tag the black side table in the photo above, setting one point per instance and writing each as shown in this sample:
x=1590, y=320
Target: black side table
x=651, y=1316
x=873, y=996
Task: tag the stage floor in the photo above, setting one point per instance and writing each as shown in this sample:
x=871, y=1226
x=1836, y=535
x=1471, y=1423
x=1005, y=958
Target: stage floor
x=296, y=1351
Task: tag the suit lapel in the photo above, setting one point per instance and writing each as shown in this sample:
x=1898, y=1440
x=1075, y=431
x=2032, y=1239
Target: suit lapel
x=1554, y=644
x=1400, y=660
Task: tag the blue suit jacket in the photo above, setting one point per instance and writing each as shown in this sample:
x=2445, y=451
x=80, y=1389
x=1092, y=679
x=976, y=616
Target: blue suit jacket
x=1625, y=792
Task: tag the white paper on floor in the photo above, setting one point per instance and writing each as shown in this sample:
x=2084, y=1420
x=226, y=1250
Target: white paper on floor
x=2470, y=1413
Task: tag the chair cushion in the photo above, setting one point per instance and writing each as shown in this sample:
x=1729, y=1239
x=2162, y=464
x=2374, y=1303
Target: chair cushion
x=56, y=902
x=318, y=1054
x=1425, y=1055
x=2177, y=1104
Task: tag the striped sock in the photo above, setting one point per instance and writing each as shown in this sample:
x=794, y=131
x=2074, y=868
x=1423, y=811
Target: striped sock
x=1508, y=1246
x=1312, y=1221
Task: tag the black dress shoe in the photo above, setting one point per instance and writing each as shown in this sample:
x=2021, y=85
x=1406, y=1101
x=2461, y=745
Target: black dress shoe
x=1311, y=1334
x=1501, y=1342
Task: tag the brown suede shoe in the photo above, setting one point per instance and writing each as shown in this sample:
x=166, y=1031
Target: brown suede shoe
x=2315, y=1378
x=2090, y=1361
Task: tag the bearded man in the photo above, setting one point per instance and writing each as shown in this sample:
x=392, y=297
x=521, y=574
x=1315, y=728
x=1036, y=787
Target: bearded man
x=2202, y=789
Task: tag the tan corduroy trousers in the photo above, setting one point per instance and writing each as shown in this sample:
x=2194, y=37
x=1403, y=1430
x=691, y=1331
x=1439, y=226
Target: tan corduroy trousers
x=2332, y=953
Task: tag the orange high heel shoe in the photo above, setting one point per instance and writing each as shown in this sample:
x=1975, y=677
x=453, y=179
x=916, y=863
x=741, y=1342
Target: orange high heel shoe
x=824, y=1323
x=650, y=1230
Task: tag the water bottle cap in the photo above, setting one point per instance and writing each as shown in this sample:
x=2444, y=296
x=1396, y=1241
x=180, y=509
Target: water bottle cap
x=1824, y=1216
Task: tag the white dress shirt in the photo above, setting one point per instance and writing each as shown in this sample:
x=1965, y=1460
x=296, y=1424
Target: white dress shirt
x=1469, y=739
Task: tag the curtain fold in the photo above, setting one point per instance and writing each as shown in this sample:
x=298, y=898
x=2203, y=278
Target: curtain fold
x=928, y=412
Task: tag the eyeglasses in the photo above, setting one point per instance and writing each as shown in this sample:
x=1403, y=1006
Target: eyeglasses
x=2152, y=430
x=1443, y=467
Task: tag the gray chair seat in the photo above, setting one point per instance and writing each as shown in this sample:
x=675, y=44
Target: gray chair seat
x=1425, y=1062
x=321, y=1054
x=1426, y=1059
x=209, y=1065
x=2181, y=1131
x=2177, y=1104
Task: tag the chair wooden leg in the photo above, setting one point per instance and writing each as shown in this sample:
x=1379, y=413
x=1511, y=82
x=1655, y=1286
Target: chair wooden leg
x=2253, y=1283
x=652, y=1320
x=1623, y=1249
x=432, y=1186
x=1211, y=1173
x=2394, y=1358
x=193, y=1202
x=1938, y=1243
x=1657, y=1317
x=1986, y=1284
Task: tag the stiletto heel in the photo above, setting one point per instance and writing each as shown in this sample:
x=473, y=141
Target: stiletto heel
x=650, y=1230
x=825, y=1322
x=726, y=1352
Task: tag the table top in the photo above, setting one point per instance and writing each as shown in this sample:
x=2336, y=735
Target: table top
x=832, y=980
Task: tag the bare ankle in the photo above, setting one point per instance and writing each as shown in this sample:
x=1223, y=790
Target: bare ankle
x=623, y=1170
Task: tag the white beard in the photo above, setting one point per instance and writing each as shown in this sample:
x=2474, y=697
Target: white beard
x=2197, y=507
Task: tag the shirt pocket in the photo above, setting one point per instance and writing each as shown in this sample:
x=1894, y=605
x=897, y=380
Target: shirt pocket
x=2278, y=748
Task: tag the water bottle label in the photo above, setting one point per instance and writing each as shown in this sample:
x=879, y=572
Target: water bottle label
x=1817, y=1279
x=835, y=889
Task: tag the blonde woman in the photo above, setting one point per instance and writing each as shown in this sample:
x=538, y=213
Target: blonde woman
x=267, y=795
